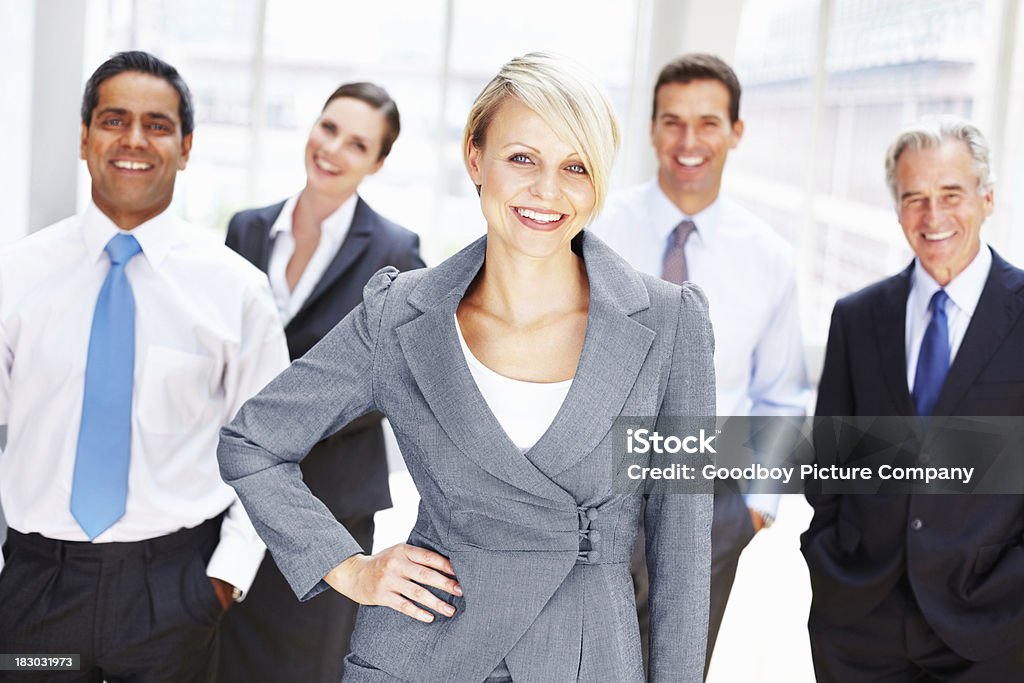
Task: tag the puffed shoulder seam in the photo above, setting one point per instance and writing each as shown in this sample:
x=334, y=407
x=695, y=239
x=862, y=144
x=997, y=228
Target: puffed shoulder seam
x=375, y=296
x=693, y=295
x=694, y=302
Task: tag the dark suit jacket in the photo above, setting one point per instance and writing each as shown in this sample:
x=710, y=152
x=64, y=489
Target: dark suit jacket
x=356, y=484
x=962, y=554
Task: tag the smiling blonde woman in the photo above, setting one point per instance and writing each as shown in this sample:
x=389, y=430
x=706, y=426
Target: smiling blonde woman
x=502, y=371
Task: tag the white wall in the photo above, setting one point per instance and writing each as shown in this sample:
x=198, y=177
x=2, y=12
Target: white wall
x=16, y=43
x=56, y=97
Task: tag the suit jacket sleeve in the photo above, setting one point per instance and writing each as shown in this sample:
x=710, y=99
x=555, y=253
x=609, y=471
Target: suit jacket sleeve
x=261, y=448
x=408, y=257
x=6, y=362
x=835, y=398
x=233, y=239
x=238, y=231
x=678, y=525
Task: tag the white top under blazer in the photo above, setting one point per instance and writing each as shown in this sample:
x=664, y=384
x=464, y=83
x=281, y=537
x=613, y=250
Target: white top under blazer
x=524, y=410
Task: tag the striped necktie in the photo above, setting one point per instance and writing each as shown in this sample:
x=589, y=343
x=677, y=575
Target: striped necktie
x=674, y=266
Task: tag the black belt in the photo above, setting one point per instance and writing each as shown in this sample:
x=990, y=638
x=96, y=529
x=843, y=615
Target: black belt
x=60, y=550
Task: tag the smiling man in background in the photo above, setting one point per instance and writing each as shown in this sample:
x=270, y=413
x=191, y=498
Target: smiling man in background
x=678, y=227
x=126, y=340
x=925, y=587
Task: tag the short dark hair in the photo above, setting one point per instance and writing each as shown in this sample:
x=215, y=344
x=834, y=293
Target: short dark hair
x=378, y=98
x=141, y=62
x=698, y=66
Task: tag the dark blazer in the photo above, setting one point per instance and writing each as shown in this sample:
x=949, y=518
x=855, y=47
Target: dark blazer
x=540, y=542
x=963, y=554
x=356, y=484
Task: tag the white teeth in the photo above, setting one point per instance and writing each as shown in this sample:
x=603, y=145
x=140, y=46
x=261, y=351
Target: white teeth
x=938, y=236
x=326, y=166
x=133, y=165
x=538, y=216
x=690, y=161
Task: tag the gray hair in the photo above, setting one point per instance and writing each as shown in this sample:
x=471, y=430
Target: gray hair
x=931, y=132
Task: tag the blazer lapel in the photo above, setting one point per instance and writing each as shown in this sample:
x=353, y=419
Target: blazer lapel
x=997, y=311
x=356, y=242
x=431, y=348
x=267, y=218
x=614, y=349
x=890, y=318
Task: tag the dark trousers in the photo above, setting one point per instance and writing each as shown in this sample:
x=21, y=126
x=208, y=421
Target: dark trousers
x=139, y=612
x=273, y=637
x=731, y=531
x=895, y=644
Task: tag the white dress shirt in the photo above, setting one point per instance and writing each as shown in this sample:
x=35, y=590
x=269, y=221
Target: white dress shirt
x=333, y=231
x=207, y=337
x=748, y=274
x=964, y=291
x=525, y=410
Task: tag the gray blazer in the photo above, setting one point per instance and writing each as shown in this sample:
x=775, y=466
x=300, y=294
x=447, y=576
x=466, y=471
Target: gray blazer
x=539, y=542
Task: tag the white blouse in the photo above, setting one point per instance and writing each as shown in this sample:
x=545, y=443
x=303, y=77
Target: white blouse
x=524, y=410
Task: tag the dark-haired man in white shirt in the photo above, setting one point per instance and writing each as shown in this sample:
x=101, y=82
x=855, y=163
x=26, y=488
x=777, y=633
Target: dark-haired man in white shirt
x=677, y=226
x=126, y=341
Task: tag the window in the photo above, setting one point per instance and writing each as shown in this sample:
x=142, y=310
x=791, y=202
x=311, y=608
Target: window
x=812, y=160
x=255, y=102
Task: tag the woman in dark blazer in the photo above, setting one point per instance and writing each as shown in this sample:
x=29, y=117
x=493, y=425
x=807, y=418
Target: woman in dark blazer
x=518, y=565
x=319, y=248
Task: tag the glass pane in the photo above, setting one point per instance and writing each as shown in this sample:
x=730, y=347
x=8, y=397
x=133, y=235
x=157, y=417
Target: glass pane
x=311, y=47
x=888, y=62
x=211, y=45
x=384, y=36
x=597, y=33
x=775, y=62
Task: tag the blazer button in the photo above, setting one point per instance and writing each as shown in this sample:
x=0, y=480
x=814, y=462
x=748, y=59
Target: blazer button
x=594, y=536
x=593, y=556
x=916, y=524
x=592, y=514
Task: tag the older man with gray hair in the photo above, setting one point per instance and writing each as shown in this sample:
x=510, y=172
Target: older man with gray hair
x=925, y=587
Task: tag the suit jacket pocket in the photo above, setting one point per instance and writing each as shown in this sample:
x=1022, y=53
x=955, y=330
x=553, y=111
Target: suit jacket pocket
x=827, y=547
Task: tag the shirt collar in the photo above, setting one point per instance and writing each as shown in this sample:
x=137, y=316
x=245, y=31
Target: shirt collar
x=665, y=215
x=965, y=289
x=156, y=236
x=283, y=223
x=336, y=224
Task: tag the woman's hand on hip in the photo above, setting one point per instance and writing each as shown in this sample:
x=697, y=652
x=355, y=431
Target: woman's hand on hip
x=392, y=578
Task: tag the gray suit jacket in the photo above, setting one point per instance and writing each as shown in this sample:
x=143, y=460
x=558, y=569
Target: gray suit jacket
x=539, y=542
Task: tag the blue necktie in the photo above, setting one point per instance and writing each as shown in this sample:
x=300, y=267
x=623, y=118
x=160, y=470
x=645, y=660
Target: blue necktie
x=933, y=360
x=100, y=486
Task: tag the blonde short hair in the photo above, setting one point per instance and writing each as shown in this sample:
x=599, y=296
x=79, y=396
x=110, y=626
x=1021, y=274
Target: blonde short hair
x=569, y=99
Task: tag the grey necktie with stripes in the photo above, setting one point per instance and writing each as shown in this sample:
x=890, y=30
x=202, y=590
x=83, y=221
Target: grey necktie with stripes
x=674, y=267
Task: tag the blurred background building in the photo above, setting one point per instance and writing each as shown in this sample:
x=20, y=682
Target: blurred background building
x=827, y=83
